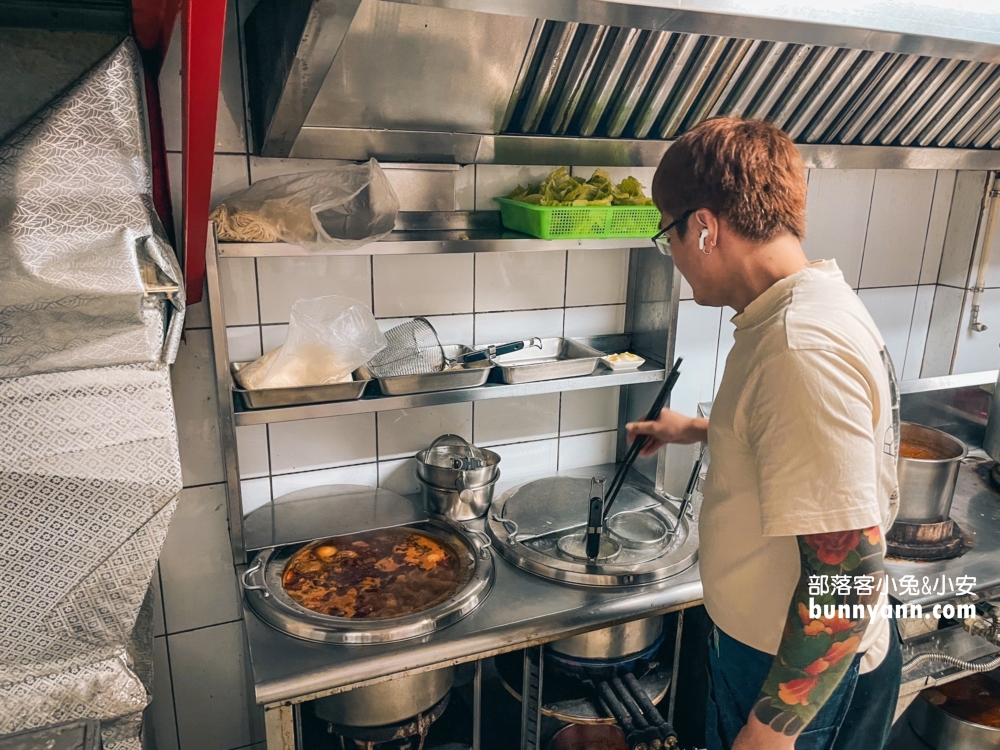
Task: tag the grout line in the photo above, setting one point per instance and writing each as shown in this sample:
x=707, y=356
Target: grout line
x=927, y=228
x=909, y=335
x=868, y=222
x=206, y=484
x=947, y=223
x=170, y=674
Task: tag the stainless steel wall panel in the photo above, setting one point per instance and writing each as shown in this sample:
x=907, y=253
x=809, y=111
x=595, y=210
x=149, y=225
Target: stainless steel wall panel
x=754, y=78
x=406, y=67
x=666, y=82
x=553, y=59
x=843, y=62
x=913, y=82
x=884, y=90
x=985, y=137
x=845, y=90
x=944, y=71
x=537, y=33
x=585, y=63
x=776, y=85
x=748, y=58
x=865, y=88
x=803, y=84
x=942, y=115
x=609, y=80
x=694, y=84
x=638, y=79
x=722, y=78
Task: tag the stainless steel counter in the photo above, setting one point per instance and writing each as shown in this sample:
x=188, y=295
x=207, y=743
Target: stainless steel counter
x=522, y=610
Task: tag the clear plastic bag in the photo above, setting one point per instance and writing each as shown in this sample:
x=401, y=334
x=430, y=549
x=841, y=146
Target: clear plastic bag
x=341, y=208
x=328, y=338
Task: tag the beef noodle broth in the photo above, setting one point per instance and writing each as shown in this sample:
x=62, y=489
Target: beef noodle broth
x=375, y=575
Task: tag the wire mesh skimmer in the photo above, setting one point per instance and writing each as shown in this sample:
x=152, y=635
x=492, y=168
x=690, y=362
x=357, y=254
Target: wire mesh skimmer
x=412, y=348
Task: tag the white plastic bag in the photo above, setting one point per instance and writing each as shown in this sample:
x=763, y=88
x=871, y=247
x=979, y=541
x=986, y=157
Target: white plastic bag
x=328, y=338
x=341, y=208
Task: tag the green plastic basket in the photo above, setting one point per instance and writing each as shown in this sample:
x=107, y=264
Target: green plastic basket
x=579, y=222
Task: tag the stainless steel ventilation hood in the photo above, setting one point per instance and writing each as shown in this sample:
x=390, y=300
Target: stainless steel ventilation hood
x=487, y=81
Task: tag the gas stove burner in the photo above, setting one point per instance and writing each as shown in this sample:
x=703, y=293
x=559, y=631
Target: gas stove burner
x=927, y=541
x=406, y=735
x=578, y=668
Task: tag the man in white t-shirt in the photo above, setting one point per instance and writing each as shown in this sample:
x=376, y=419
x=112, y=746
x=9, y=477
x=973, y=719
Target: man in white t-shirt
x=803, y=440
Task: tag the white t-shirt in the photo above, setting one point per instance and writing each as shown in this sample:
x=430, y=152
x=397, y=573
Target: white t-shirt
x=803, y=441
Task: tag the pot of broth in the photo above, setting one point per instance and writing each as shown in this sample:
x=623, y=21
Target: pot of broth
x=928, y=466
x=960, y=714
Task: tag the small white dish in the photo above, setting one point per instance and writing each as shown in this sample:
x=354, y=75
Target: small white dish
x=629, y=364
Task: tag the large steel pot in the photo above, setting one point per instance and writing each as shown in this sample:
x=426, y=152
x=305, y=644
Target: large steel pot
x=927, y=485
x=943, y=731
x=615, y=642
x=453, y=463
x=458, y=506
x=389, y=702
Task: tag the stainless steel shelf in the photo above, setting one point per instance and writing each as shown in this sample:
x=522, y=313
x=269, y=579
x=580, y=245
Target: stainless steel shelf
x=601, y=379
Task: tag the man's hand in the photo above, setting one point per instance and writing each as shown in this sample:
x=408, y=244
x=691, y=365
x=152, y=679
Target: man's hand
x=758, y=736
x=669, y=427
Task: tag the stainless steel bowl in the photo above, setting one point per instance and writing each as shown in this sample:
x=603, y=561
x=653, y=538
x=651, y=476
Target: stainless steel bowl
x=389, y=702
x=943, y=731
x=435, y=468
x=466, y=505
x=927, y=486
x=612, y=643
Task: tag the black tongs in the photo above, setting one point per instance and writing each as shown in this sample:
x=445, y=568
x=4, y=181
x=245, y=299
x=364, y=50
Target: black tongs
x=595, y=518
x=640, y=441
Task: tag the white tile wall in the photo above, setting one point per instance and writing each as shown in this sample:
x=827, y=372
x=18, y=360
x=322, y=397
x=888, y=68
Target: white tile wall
x=363, y=474
x=511, y=419
x=500, y=327
x=251, y=442
x=255, y=493
x=284, y=281
x=892, y=310
x=944, y=189
x=399, y=476
x=980, y=350
x=594, y=321
x=409, y=285
x=519, y=281
x=918, y=333
x=238, y=279
x=837, y=217
x=698, y=343
x=244, y=343
x=324, y=443
x=587, y=450
x=946, y=315
x=961, y=232
x=596, y=277
x=897, y=227
x=520, y=460
x=403, y=432
x=589, y=411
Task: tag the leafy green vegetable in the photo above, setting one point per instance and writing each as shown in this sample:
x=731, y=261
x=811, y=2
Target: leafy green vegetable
x=560, y=188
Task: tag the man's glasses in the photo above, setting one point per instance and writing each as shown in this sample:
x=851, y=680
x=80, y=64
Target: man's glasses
x=661, y=240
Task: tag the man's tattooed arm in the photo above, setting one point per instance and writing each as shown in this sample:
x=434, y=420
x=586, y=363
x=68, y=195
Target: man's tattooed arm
x=831, y=607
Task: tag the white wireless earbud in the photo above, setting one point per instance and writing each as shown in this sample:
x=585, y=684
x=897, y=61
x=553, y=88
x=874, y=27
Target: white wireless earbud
x=701, y=241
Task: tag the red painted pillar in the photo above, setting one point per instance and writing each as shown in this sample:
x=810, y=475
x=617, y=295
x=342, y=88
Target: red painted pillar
x=202, y=28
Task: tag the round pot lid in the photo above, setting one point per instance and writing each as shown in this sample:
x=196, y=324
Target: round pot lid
x=539, y=527
x=373, y=586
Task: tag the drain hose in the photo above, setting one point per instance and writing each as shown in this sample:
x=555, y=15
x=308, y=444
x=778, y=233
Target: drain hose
x=971, y=666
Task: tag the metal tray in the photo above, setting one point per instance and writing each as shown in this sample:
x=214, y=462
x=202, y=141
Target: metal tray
x=467, y=376
x=267, y=398
x=558, y=358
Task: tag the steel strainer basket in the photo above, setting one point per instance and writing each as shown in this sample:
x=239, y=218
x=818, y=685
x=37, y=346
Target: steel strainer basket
x=412, y=348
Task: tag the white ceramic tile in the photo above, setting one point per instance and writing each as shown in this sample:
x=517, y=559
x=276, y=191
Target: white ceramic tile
x=587, y=450
x=944, y=188
x=643, y=174
x=946, y=315
x=597, y=277
x=284, y=281
x=160, y=713
x=196, y=563
x=505, y=420
x=262, y=168
x=527, y=459
x=451, y=329
x=837, y=217
x=594, y=321
x=229, y=175
x=322, y=443
x=465, y=188
x=918, y=333
x=251, y=443
x=273, y=336
x=159, y=624
x=211, y=687
x=230, y=123
x=244, y=343
x=499, y=180
x=960, y=236
x=399, y=476
x=520, y=281
x=255, y=493
x=591, y=410
x=408, y=285
x=977, y=351
x=698, y=344
x=897, y=227
x=403, y=432
x=196, y=407
x=498, y=328
x=238, y=279
x=726, y=341
x=892, y=310
x=363, y=474
x=197, y=315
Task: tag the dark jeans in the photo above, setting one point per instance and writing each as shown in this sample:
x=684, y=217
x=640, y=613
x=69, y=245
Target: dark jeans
x=857, y=715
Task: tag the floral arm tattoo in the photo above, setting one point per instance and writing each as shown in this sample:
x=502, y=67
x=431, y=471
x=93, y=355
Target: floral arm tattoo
x=840, y=582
